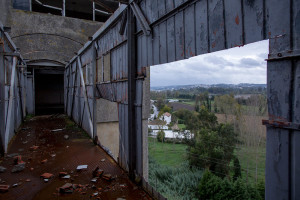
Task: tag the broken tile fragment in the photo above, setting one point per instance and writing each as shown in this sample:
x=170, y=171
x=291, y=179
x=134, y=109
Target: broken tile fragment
x=4, y=188
x=2, y=169
x=62, y=174
x=81, y=167
x=12, y=155
x=66, y=177
x=56, y=130
x=97, y=172
x=47, y=175
x=18, y=168
x=94, y=180
x=44, y=161
x=18, y=160
x=66, y=188
x=34, y=147
x=107, y=177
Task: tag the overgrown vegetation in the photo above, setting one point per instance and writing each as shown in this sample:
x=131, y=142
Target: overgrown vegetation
x=230, y=147
x=175, y=183
x=215, y=188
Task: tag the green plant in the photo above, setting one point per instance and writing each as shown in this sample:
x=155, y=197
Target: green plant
x=160, y=136
x=215, y=188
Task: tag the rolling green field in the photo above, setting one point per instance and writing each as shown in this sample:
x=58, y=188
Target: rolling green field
x=166, y=153
x=173, y=155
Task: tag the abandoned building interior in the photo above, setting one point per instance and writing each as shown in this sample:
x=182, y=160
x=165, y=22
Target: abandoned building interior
x=90, y=59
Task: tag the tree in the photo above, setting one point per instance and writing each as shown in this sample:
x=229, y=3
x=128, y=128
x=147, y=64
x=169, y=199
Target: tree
x=213, y=144
x=160, y=136
x=160, y=103
x=164, y=110
x=237, y=169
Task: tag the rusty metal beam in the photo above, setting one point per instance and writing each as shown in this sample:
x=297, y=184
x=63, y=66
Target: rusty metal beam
x=132, y=133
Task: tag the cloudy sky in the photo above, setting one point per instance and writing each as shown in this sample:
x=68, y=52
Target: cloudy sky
x=238, y=65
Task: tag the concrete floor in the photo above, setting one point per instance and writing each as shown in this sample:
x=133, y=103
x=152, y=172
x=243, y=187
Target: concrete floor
x=57, y=154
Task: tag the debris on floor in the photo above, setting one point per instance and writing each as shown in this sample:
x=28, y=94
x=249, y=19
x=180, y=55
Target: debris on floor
x=4, y=188
x=2, y=169
x=57, y=130
x=66, y=188
x=18, y=168
x=107, y=177
x=47, y=175
x=70, y=166
x=81, y=167
x=97, y=172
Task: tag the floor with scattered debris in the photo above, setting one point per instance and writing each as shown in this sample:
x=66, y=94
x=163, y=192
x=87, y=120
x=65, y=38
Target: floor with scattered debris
x=51, y=158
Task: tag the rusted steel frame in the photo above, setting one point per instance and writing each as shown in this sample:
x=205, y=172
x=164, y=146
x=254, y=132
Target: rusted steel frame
x=20, y=94
x=281, y=124
x=132, y=133
x=141, y=18
x=173, y=12
x=103, y=5
x=85, y=96
x=68, y=88
x=74, y=90
x=123, y=23
x=284, y=55
x=10, y=103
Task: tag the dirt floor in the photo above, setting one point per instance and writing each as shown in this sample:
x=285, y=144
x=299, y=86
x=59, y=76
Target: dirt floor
x=61, y=151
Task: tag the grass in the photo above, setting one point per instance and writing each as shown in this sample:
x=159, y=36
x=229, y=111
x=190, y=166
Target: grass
x=167, y=154
x=182, y=126
x=247, y=157
x=174, y=155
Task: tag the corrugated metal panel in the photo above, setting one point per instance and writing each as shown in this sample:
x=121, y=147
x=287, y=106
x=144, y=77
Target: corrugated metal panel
x=203, y=26
x=12, y=85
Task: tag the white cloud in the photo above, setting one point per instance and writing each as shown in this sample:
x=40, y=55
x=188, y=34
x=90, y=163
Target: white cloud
x=238, y=65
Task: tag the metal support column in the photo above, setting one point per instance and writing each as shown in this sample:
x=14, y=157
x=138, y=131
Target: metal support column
x=131, y=92
x=10, y=103
x=94, y=14
x=64, y=8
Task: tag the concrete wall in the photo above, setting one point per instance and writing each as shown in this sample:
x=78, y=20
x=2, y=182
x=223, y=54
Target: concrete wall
x=45, y=36
x=51, y=37
x=108, y=126
x=5, y=11
x=146, y=113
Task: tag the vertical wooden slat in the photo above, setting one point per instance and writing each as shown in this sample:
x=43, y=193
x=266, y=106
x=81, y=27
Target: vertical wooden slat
x=161, y=7
x=179, y=36
x=150, y=50
x=216, y=25
x=163, y=42
x=169, y=5
x=234, y=23
x=189, y=21
x=156, y=45
x=201, y=27
x=171, y=39
x=253, y=20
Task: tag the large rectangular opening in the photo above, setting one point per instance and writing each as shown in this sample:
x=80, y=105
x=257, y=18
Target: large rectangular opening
x=49, y=93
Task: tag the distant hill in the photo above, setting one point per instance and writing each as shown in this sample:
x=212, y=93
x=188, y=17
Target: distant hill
x=221, y=85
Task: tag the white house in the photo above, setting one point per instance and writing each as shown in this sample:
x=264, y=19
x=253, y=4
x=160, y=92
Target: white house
x=167, y=117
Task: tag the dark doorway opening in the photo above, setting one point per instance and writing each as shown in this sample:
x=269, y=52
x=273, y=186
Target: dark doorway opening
x=49, y=94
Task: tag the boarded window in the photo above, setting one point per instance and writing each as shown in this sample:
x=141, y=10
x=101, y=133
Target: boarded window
x=106, y=67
